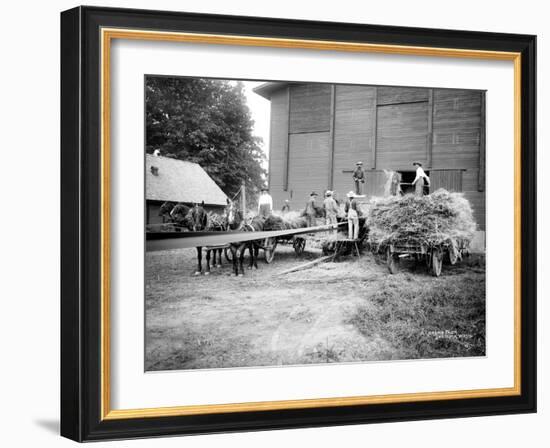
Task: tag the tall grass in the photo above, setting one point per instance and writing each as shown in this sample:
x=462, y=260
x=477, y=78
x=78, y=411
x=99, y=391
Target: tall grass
x=426, y=321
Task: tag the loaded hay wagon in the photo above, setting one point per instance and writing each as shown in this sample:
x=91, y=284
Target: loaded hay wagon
x=427, y=229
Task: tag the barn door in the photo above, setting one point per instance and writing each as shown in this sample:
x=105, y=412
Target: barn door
x=450, y=180
x=401, y=137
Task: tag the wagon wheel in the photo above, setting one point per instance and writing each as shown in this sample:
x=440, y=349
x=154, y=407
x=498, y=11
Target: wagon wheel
x=437, y=262
x=391, y=261
x=299, y=245
x=269, y=249
x=228, y=254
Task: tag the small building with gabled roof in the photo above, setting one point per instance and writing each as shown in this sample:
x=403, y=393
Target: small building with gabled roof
x=168, y=179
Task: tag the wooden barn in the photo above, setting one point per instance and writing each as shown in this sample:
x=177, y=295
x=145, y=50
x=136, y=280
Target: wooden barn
x=319, y=131
x=168, y=179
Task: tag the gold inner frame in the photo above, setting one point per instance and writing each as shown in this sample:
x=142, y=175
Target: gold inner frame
x=107, y=35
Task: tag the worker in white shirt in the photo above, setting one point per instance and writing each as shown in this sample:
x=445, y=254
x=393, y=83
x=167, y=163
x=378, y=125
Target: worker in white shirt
x=265, y=203
x=420, y=179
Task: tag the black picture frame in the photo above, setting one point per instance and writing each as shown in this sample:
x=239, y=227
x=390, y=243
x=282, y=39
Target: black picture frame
x=81, y=224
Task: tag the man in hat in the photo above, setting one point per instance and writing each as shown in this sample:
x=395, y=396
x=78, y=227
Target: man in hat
x=311, y=210
x=265, y=203
x=353, y=216
x=331, y=210
x=359, y=178
x=419, y=180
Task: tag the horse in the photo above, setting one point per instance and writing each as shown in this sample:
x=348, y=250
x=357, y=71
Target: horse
x=165, y=210
x=199, y=220
x=236, y=221
x=175, y=213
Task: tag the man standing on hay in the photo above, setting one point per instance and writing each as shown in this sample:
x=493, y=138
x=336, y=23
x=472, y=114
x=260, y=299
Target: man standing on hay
x=418, y=181
x=359, y=178
x=265, y=203
x=353, y=216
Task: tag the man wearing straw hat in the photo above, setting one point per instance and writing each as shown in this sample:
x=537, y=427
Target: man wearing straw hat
x=353, y=216
x=418, y=181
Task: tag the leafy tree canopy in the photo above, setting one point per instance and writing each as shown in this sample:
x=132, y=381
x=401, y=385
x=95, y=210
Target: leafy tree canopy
x=207, y=122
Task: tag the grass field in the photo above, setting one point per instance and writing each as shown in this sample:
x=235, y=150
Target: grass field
x=347, y=311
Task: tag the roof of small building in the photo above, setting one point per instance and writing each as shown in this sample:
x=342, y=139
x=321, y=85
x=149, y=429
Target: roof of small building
x=267, y=88
x=168, y=179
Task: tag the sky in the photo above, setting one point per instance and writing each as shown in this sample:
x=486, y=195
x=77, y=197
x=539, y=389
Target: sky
x=260, y=110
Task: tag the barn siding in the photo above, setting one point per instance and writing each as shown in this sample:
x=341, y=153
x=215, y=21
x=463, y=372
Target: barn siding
x=456, y=129
x=401, y=136
x=309, y=108
x=353, y=133
x=450, y=180
x=393, y=95
x=308, y=167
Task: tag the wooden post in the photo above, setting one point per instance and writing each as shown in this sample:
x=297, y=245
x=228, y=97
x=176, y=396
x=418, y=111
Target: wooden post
x=331, y=136
x=374, y=127
x=287, y=141
x=243, y=198
x=429, y=137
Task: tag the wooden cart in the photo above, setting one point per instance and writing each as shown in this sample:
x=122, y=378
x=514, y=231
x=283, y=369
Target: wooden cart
x=431, y=256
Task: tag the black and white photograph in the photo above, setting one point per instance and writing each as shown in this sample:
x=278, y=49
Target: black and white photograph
x=314, y=223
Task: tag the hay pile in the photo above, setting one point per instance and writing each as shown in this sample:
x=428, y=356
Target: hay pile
x=439, y=218
x=290, y=220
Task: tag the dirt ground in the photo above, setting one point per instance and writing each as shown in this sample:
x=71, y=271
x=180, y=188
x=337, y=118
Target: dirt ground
x=345, y=311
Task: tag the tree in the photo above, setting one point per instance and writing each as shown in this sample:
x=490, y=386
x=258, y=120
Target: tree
x=207, y=122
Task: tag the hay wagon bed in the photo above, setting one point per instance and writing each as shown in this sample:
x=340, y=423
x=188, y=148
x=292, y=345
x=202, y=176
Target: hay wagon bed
x=430, y=255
